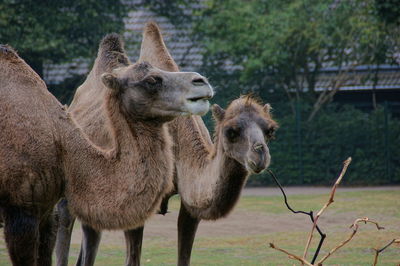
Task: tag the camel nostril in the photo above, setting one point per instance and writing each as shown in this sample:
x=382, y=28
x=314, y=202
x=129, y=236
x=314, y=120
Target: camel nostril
x=252, y=164
x=199, y=82
x=258, y=147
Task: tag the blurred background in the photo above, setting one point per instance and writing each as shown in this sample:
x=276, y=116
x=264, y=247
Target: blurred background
x=329, y=68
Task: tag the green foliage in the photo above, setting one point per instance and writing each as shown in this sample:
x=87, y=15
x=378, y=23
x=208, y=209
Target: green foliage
x=281, y=45
x=59, y=30
x=332, y=137
x=278, y=48
x=175, y=10
x=388, y=11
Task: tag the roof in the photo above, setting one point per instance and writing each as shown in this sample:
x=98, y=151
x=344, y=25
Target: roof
x=186, y=53
x=361, y=79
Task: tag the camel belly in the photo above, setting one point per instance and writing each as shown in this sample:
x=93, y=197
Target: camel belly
x=30, y=174
x=110, y=201
x=26, y=185
x=126, y=209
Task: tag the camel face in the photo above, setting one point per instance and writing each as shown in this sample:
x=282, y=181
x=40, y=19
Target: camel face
x=246, y=128
x=150, y=93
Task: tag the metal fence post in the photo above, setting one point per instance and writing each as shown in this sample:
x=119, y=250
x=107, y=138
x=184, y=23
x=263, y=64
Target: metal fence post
x=299, y=140
x=387, y=151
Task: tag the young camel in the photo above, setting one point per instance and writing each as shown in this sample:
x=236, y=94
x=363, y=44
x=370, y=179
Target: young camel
x=45, y=155
x=209, y=177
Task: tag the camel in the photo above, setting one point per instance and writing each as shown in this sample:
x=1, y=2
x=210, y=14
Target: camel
x=209, y=176
x=45, y=155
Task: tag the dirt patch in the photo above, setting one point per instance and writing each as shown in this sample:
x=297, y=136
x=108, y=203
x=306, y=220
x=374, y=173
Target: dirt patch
x=240, y=222
x=273, y=191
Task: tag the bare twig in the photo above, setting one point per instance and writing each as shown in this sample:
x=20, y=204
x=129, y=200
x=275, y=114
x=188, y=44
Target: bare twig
x=345, y=165
x=366, y=220
x=337, y=247
x=378, y=251
x=310, y=214
x=292, y=256
x=330, y=200
x=355, y=227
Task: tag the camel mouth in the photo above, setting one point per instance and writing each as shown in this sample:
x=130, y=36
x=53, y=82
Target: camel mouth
x=254, y=168
x=199, y=98
x=197, y=101
x=198, y=105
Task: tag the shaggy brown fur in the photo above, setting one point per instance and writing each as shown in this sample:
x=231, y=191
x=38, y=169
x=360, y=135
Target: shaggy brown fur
x=29, y=123
x=209, y=176
x=31, y=173
x=141, y=150
x=44, y=151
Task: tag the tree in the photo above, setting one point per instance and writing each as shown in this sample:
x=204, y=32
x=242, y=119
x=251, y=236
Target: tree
x=57, y=31
x=388, y=11
x=282, y=45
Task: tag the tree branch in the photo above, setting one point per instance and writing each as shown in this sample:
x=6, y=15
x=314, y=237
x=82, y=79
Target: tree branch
x=292, y=256
x=355, y=227
x=378, y=251
x=330, y=201
x=310, y=214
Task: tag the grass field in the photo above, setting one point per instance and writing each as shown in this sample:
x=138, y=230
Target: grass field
x=243, y=237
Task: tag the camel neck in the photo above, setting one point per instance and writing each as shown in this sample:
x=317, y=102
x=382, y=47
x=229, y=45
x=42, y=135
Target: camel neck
x=209, y=181
x=232, y=177
x=122, y=186
x=127, y=134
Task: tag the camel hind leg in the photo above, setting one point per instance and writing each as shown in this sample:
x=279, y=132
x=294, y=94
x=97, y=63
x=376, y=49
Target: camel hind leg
x=47, y=239
x=90, y=244
x=21, y=231
x=65, y=225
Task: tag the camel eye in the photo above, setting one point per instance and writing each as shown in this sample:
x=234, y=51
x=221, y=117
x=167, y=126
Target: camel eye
x=154, y=80
x=232, y=134
x=269, y=134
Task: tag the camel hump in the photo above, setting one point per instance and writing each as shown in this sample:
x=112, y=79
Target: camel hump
x=7, y=52
x=112, y=43
x=111, y=54
x=154, y=50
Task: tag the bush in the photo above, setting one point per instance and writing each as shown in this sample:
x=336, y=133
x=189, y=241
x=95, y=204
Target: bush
x=315, y=157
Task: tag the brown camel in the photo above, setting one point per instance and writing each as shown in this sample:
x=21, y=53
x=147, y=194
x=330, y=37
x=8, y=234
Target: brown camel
x=44, y=154
x=209, y=177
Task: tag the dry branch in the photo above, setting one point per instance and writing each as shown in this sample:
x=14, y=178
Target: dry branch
x=378, y=251
x=330, y=200
x=291, y=255
x=310, y=214
x=355, y=227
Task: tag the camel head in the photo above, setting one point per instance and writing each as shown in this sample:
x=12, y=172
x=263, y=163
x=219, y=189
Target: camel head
x=244, y=130
x=147, y=92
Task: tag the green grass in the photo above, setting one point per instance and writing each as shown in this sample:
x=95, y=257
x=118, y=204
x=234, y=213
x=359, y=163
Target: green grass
x=383, y=206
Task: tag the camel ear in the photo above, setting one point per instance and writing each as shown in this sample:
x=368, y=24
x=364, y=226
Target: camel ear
x=267, y=108
x=111, y=81
x=154, y=50
x=218, y=112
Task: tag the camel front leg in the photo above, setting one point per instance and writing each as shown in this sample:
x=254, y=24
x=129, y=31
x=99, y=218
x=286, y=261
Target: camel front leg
x=187, y=227
x=21, y=231
x=65, y=225
x=133, y=239
x=90, y=244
